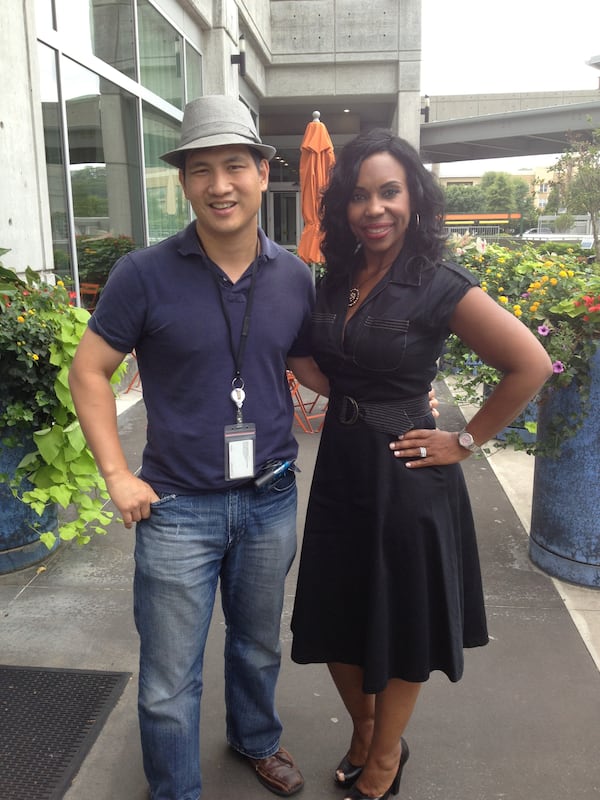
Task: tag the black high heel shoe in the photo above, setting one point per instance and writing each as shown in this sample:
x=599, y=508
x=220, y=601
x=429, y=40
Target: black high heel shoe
x=349, y=771
x=356, y=794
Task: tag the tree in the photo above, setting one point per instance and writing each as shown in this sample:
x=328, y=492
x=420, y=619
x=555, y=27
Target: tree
x=497, y=193
x=523, y=202
x=90, y=196
x=554, y=200
x=563, y=223
x=464, y=199
x=577, y=179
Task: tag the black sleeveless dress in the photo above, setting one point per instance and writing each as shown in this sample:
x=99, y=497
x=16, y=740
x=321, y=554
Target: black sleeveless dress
x=389, y=575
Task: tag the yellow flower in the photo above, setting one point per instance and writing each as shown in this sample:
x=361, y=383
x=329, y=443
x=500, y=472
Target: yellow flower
x=31, y=312
x=503, y=299
x=544, y=279
x=60, y=283
x=562, y=274
x=20, y=318
x=535, y=285
x=517, y=311
x=501, y=288
x=35, y=357
x=553, y=281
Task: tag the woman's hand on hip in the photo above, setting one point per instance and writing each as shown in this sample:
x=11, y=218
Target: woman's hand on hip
x=428, y=448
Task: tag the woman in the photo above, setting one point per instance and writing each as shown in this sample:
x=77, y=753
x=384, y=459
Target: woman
x=389, y=584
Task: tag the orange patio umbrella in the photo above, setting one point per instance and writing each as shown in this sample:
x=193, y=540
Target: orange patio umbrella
x=316, y=160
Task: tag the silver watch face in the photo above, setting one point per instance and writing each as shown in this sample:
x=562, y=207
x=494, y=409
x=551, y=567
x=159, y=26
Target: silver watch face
x=465, y=440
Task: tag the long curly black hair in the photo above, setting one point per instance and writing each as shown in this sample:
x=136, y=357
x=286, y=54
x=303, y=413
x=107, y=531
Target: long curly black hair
x=425, y=238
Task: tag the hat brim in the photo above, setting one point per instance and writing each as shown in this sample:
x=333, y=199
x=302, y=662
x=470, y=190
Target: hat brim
x=176, y=157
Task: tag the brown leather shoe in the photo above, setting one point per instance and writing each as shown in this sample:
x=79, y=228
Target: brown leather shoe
x=278, y=773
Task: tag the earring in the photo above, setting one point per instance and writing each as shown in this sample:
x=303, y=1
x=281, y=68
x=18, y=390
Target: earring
x=417, y=219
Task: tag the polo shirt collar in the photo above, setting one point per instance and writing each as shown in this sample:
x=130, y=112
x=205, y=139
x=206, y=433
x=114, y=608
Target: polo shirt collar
x=188, y=243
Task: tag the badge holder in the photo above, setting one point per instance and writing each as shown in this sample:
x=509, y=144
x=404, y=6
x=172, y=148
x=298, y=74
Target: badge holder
x=239, y=443
x=239, y=451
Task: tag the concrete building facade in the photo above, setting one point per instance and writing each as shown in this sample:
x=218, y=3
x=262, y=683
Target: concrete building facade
x=94, y=92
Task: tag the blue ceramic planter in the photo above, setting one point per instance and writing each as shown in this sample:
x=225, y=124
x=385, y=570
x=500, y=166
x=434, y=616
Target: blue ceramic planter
x=20, y=546
x=518, y=425
x=529, y=414
x=565, y=517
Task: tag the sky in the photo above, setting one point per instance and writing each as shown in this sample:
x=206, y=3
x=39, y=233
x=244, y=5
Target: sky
x=512, y=46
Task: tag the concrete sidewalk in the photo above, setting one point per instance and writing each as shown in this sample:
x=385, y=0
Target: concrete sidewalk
x=523, y=724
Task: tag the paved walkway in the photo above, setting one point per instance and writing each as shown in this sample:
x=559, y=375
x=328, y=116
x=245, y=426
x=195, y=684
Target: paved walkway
x=523, y=724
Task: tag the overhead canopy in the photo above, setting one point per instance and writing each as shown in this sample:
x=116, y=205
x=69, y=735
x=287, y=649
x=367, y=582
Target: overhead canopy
x=516, y=133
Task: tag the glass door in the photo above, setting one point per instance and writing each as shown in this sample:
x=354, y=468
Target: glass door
x=284, y=220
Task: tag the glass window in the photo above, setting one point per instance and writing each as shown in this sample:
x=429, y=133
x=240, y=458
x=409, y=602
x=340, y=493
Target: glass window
x=44, y=14
x=105, y=170
x=193, y=73
x=168, y=210
x=55, y=166
x=103, y=27
x=113, y=34
x=161, y=68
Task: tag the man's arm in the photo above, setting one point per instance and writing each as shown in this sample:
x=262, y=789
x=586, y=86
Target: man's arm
x=89, y=379
x=308, y=374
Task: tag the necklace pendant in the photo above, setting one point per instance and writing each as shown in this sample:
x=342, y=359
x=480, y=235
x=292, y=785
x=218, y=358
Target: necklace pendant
x=353, y=297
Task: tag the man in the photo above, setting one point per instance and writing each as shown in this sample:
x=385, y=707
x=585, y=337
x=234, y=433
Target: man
x=214, y=315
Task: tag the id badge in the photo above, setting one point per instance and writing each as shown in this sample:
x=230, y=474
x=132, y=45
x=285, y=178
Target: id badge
x=239, y=451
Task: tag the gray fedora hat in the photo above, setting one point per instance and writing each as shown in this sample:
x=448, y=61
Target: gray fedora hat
x=214, y=121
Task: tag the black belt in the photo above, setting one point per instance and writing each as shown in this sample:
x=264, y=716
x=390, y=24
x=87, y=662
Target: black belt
x=393, y=418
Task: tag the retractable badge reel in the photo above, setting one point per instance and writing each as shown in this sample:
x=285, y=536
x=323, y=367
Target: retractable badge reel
x=239, y=439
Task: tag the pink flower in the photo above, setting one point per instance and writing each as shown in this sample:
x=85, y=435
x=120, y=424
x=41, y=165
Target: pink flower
x=558, y=367
x=544, y=330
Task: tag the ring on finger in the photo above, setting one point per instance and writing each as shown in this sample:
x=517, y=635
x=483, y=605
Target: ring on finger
x=423, y=451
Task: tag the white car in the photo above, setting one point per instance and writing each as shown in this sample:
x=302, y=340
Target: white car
x=537, y=233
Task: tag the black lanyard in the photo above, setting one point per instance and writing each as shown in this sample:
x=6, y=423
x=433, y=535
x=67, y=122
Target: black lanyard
x=238, y=353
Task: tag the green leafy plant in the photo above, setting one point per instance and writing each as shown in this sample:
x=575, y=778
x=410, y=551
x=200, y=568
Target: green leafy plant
x=558, y=298
x=40, y=329
x=96, y=256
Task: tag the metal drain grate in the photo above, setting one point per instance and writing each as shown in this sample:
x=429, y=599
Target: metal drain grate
x=49, y=719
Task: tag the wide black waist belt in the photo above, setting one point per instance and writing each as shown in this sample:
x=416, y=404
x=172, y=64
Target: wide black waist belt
x=394, y=418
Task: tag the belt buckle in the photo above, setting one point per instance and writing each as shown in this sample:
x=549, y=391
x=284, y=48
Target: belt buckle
x=348, y=404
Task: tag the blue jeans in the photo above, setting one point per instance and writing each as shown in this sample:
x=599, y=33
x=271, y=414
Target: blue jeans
x=246, y=538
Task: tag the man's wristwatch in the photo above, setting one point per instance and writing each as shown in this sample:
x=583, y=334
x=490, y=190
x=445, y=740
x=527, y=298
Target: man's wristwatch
x=466, y=440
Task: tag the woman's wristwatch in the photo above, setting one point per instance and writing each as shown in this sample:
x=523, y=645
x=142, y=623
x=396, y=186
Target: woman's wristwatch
x=466, y=440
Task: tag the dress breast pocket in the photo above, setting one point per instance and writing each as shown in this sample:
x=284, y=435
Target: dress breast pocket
x=381, y=343
x=323, y=333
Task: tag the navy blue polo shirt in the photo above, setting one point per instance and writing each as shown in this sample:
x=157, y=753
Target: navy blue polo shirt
x=163, y=302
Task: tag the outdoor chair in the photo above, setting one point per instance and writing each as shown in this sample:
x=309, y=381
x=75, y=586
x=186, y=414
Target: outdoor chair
x=88, y=292
x=308, y=407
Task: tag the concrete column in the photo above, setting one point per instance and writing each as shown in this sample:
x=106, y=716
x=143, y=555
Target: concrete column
x=24, y=213
x=220, y=75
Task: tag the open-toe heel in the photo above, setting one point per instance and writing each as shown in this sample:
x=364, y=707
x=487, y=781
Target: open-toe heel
x=350, y=772
x=356, y=794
